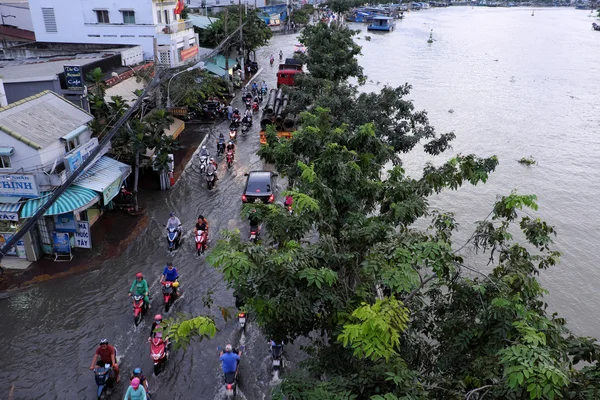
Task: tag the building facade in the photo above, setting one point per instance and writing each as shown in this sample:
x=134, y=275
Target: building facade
x=156, y=25
x=43, y=140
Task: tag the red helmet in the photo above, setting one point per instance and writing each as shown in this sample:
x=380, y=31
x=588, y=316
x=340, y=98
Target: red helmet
x=158, y=318
x=139, y=275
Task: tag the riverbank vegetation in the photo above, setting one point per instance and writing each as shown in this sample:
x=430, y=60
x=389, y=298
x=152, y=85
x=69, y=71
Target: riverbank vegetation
x=393, y=308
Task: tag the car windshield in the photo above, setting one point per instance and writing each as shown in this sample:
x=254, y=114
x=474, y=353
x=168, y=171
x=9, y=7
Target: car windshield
x=258, y=186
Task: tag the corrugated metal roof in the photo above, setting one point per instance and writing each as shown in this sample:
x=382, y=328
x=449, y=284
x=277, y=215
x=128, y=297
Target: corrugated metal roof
x=200, y=21
x=104, y=172
x=74, y=198
x=42, y=119
x=125, y=89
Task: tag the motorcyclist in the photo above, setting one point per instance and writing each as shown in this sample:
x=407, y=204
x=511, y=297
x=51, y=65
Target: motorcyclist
x=137, y=373
x=174, y=222
x=108, y=355
x=140, y=287
x=221, y=143
x=158, y=319
x=135, y=391
x=272, y=59
x=289, y=200
x=201, y=225
x=212, y=168
x=263, y=87
x=254, y=87
x=229, y=359
x=236, y=114
x=253, y=218
x=170, y=273
x=280, y=55
x=231, y=146
x=204, y=152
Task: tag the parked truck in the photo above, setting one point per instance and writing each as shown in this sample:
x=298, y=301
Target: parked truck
x=286, y=76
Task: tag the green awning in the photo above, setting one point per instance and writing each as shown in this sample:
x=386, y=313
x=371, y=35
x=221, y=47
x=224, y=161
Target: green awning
x=75, y=198
x=215, y=69
x=220, y=61
x=6, y=150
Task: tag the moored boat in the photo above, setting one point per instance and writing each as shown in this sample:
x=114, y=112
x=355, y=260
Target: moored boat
x=382, y=23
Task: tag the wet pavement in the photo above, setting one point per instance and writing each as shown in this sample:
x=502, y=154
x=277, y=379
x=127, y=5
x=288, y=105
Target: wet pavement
x=49, y=331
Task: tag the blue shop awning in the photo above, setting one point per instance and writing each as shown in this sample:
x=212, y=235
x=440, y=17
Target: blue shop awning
x=6, y=150
x=10, y=204
x=75, y=198
x=75, y=133
x=102, y=174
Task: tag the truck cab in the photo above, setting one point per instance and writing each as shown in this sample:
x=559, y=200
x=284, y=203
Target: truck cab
x=288, y=71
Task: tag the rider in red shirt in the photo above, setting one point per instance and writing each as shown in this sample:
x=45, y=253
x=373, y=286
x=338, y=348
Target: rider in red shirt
x=107, y=354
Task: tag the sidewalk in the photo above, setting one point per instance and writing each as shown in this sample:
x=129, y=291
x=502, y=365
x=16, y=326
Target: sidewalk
x=111, y=234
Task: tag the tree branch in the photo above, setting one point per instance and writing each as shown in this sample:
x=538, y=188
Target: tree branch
x=414, y=292
x=476, y=390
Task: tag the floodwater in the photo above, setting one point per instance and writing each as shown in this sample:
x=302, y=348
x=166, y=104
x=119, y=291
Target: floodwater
x=519, y=86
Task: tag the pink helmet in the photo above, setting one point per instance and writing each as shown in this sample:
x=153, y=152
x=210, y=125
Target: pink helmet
x=135, y=383
x=158, y=318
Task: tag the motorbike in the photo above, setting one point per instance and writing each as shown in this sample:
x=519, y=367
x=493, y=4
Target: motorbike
x=169, y=294
x=210, y=180
x=173, y=238
x=263, y=91
x=254, y=232
x=242, y=320
x=203, y=164
x=139, y=308
x=220, y=148
x=158, y=352
x=201, y=242
x=255, y=106
x=231, y=380
x=105, y=378
x=248, y=104
x=232, y=134
x=276, y=356
x=245, y=129
x=272, y=61
x=229, y=158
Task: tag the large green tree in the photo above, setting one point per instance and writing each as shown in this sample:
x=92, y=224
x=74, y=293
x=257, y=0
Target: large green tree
x=255, y=32
x=392, y=308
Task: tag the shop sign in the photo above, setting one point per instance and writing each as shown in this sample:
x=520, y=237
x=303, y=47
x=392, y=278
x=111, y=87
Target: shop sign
x=17, y=250
x=65, y=222
x=73, y=77
x=61, y=242
x=77, y=156
x=83, y=238
x=18, y=185
x=189, y=53
x=8, y=216
x=112, y=190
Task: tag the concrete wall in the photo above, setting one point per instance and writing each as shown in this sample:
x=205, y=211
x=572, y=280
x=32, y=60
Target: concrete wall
x=24, y=156
x=19, y=90
x=22, y=14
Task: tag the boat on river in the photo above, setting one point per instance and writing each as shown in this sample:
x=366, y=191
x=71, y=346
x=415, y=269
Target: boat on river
x=382, y=23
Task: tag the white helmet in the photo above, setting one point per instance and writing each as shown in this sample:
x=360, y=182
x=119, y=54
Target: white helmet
x=212, y=159
x=203, y=147
x=228, y=348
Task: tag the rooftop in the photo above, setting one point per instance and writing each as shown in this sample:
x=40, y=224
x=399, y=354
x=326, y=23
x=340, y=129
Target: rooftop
x=200, y=21
x=40, y=120
x=44, y=69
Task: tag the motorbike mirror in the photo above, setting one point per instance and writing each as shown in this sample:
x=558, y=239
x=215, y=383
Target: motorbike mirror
x=275, y=175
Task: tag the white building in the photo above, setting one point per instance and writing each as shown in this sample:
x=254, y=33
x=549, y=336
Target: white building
x=156, y=25
x=16, y=13
x=43, y=139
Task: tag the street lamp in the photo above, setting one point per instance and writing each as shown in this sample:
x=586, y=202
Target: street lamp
x=4, y=37
x=199, y=65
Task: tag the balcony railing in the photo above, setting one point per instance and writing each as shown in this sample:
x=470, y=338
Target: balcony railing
x=178, y=26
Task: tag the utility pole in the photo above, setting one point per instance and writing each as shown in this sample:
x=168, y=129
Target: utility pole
x=242, y=43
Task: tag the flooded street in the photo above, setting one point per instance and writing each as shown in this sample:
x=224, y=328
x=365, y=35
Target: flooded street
x=518, y=86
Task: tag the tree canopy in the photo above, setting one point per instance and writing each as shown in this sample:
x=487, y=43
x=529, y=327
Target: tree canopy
x=392, y=308
x=255, y=32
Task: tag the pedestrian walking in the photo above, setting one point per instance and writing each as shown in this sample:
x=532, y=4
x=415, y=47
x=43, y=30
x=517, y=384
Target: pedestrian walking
x=229, y=111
